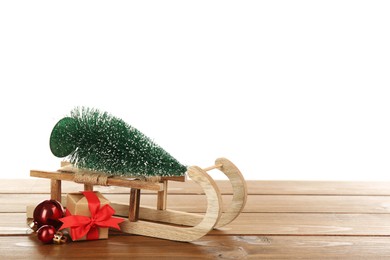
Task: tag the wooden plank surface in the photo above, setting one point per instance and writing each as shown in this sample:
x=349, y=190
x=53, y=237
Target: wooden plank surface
x=209, y=247
x=36, y=185
x=273, y=224
x=282, y=220
x=255, y=203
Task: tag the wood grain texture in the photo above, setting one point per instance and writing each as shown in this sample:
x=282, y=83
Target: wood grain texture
x=255, y=203
x=37, y=185
x=308, y=224
x=209, y=247
x=185, y=234
x=114, y=181
x=88, y=187
x=297, y=223
x=162, y=196
x=282, y=220
x=240, y=192
x=55, y=190
x=133, y=207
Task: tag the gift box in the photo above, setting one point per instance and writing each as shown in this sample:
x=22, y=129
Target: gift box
x=89, y=216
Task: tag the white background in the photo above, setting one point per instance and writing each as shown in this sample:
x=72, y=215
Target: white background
x=287, y=90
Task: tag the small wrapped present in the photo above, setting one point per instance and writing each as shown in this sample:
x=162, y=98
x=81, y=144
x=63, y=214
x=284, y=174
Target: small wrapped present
x=88, y=216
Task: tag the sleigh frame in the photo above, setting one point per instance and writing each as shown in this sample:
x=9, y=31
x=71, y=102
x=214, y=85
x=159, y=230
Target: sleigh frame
x=161, y=222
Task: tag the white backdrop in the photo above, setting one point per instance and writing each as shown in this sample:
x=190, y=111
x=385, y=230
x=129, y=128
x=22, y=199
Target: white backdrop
x=288, y=90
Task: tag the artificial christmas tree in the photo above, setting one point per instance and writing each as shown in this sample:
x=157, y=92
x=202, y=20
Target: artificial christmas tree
x=100, y=142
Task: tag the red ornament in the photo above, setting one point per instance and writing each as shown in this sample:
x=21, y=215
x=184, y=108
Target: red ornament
x=46, y=234
x=48, y=212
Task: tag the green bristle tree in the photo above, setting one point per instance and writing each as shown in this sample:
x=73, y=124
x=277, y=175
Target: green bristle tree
x=98, y=141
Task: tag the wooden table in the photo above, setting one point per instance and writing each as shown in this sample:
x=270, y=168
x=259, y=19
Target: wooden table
x=282, y=220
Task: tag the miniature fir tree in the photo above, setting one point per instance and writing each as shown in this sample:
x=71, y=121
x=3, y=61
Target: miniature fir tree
x=98, y=141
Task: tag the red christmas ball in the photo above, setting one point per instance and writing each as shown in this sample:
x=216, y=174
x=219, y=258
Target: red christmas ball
x=48, y=212
x=46, y=233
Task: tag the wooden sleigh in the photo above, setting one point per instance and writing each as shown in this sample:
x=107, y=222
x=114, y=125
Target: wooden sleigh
x=160, y=222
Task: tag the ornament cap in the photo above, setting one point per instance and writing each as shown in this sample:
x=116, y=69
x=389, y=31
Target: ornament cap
x=60, y=238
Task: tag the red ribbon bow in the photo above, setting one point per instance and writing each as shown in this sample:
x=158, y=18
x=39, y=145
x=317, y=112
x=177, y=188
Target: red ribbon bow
x=100, y=217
